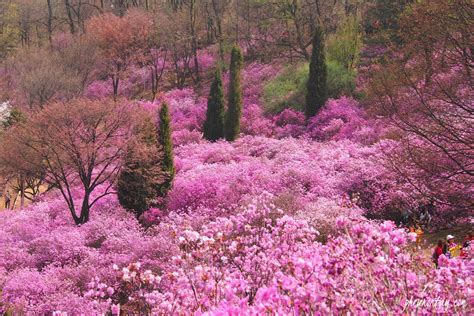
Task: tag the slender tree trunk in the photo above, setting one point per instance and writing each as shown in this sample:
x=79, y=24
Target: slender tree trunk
x=69, y=17
x=429, y=64
x=12, y=205
x=50, y=21
x=115, y=85
x=192, y=18
x=236, y=40
x=85, y=209
x=218, y=30
x=154, y=82
x=22, y=191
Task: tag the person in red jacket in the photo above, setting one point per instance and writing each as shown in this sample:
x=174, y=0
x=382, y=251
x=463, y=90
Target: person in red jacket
x=438, y=251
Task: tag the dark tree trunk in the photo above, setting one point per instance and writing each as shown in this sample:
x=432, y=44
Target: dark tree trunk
x=115, y=85
x=22, y=191
x=69, y=17
x=192, y=19
x=50, y=21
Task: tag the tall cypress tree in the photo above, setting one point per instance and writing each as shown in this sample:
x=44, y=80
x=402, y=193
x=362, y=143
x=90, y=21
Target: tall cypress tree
x=214, y=124
x=164, y=139
x=316, y=94
x=138, y=182
x=234, y=111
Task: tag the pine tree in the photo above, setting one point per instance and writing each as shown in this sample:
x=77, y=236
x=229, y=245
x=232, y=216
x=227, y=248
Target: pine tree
x=234, y=111
x=141, y=175
x=316, y=94
x=214, y=124
x=164, y=139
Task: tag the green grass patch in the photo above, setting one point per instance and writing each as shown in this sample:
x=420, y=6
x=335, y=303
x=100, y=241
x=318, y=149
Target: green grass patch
x=288, y=89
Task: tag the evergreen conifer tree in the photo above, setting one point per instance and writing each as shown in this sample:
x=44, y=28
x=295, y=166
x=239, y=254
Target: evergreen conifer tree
x=164, y=140
x=138, y=182
x=214, y=124
x=316, y=94
x=234, y=111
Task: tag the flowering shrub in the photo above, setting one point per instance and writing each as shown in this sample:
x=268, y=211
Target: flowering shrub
x=260, y=260
x=323, y=214
x=47, y=261
x=223, y=174
x=289, y=123
x=343, y=119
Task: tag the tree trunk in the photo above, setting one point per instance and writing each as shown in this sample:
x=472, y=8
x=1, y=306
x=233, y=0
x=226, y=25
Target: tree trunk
x=115, y=84
x=218, y=30
x=84, y=218
x=154, y=83
x=22, y=192
x=69, y=17
x=192, y=19
x=122, y=7
x=50, y=21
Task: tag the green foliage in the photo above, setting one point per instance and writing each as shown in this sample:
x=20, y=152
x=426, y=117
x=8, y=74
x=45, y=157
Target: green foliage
x=316, y=87
x=9, y=28
x=344, y=46
x=15, y=116
x=381, y=21
x=214, y=124
x=141, y=176
x=288, y=89
x=234, y=111
x=164, y=140
x=340, y=81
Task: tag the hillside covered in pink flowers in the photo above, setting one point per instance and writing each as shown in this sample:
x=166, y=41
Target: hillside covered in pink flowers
x=221, y=158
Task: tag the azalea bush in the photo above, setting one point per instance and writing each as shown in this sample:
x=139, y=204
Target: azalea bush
x=261, y=260
x=222, y=174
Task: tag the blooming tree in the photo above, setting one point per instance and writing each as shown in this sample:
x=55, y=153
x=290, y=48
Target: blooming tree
x=79, y=142
x=426, y=93
x=122, y=41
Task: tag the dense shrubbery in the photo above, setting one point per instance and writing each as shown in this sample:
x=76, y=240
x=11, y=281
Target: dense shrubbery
x=218, y=174
x=254, y=258
x=344, y=47
x=260, y=261
x=340, y=81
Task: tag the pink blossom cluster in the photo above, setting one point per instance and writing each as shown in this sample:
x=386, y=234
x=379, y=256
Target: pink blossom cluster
x=260, y=260
x=46, y=262
x=224, y=174
x=339, y=119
